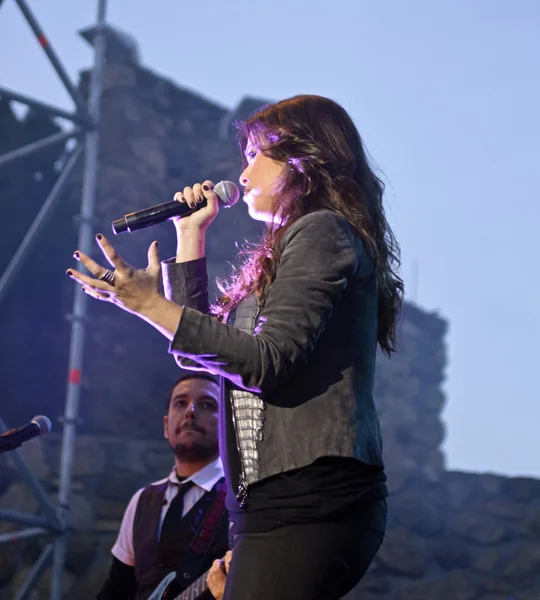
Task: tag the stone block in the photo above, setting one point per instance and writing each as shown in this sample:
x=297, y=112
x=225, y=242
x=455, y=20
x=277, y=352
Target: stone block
x=81, y=552
x=42, y=590
x=19, y=497
x=108, y=526
x=456, y=585
x=523, y=489
x=89, y=457
x=81, y=513
x=403, y=553
x=119, y=485
x=530, y=527
x=34, y=454
x=8, y=565
x=522, y=568
x=8, y=475
x=498, y=507
x=450, y=552
x=422, y=512
x=460, y=488
x=479, y=528
x=88, y=586
x=109, y=509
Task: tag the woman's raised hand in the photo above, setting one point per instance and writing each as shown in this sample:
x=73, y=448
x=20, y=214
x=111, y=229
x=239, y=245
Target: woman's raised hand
x=134, y=290
x=202, y=218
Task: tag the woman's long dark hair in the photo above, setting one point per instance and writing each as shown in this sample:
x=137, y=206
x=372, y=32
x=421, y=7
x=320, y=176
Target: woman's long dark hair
x=327, y=167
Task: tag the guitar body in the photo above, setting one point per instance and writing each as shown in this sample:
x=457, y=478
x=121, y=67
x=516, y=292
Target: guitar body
x=157, y=594
x=193, y=592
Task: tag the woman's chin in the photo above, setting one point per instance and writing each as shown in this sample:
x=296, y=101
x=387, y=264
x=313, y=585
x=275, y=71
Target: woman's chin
x=258, y=215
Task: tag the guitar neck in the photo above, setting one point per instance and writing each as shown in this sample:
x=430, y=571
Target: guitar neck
x=195, y=590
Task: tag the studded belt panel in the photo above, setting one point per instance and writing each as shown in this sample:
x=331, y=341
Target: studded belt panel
x=248, y=410
x=248, y=415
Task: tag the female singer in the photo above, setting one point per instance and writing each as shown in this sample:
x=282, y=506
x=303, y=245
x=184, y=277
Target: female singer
x=294, y=338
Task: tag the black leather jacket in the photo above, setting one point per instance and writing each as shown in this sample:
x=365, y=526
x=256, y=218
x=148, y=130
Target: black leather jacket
x=299, y=370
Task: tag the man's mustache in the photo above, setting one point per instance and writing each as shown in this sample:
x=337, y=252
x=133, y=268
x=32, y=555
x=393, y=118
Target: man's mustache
x=190, y=427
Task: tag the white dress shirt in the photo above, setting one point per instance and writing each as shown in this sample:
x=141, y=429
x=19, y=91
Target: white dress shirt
x=204, y=481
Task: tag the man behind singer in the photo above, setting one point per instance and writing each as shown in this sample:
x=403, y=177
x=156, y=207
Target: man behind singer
x=159, y=530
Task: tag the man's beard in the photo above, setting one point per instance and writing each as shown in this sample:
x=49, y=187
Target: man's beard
x=195, y=451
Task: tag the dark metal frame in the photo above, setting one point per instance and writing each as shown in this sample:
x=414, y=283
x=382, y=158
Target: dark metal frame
x=85, y=119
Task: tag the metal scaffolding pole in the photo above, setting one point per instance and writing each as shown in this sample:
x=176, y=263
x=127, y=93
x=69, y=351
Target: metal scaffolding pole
x=53, y=111
x=80, y=303
x=50, y=140
x=52, y=56
x=36, y=487
x=40, y=565
x=39, y=222
x=86, y=115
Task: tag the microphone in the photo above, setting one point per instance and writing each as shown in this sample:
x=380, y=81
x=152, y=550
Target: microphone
x=227, y=192
x=14, y=438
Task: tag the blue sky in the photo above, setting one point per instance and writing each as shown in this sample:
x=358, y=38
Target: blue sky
x=446, y=96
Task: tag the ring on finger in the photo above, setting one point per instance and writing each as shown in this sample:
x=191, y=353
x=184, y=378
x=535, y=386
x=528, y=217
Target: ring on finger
x=108, y=277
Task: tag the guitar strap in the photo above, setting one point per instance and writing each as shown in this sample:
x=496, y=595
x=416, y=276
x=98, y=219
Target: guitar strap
x=191, y=564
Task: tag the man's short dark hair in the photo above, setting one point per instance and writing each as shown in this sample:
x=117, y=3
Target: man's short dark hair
x=190, y=375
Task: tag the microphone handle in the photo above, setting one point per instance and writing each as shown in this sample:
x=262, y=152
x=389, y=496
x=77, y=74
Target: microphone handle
x=153, y=215
x=16, y=437
x=9, y=444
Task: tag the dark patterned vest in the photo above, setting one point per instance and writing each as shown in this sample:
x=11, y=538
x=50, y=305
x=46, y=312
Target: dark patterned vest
x=155, y=558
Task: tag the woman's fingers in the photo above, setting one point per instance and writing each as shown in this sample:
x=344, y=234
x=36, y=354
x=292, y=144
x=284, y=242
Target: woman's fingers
x=179, y=197
x=95, y=268
x=95, y=294
x=115, y=260
x=202, y=198
x=84, y=280
x=215, y=579
x=210, y=195
x=189, y=197
x=198, y=193
x=133, y=290
x=153, y=257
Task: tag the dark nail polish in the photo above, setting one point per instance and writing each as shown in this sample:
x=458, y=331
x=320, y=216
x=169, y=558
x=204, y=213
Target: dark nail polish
x=99, y=237
x=200, y=199
x=205, y=188
x=69, y=273
x=76, y=255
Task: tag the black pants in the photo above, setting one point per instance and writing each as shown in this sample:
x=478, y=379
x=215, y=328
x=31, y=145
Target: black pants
x=316, y=561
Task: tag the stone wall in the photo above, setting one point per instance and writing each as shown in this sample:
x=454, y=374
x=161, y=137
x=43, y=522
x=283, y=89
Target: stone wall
x=107, y=471
x=409, y=394
x=459, y=536
x=453, y=536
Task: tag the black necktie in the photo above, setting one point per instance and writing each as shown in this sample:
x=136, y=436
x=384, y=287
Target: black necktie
x=173, y=528
x=177, y=503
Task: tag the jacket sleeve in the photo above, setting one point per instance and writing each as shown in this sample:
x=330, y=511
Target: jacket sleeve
x=320, y=255
x=120, y=584
x=186, y=284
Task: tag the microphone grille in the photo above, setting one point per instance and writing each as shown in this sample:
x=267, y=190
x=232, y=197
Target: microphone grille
x=228, y=193
x=44, y=424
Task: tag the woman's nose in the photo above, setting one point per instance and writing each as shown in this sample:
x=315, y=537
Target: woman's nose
x=243, y=179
